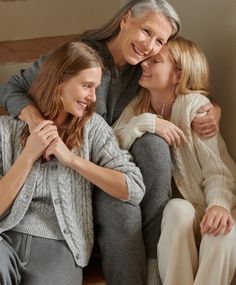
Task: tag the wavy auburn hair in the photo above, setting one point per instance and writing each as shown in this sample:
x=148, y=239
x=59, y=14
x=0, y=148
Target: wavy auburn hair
x=63, y=64
x=190, y=60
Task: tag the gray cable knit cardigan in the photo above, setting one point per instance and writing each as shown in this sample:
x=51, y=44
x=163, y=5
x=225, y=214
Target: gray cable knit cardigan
x=72, y=196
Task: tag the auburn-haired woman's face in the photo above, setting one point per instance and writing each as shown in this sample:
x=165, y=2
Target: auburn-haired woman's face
x=79, y=91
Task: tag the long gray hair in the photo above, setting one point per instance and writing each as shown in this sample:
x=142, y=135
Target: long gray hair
x=138, y=8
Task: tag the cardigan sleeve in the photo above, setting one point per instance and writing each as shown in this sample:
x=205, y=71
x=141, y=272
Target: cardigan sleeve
x=129, y=127
x=13, y=94
x=107, y=153
x=218, y=168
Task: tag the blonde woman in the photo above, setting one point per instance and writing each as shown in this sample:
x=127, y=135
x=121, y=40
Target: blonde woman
x=46, y=223
x=197, y=243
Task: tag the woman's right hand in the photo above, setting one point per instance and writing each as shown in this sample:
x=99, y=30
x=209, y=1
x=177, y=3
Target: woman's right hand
x=169, y=132
x=40, y=138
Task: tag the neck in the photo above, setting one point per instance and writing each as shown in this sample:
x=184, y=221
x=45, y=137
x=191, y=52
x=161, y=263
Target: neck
x=114, y=47
x=162, y=102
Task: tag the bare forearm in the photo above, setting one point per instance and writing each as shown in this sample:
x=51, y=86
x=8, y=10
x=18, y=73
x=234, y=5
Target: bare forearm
x=110, y=181
x=12, y=182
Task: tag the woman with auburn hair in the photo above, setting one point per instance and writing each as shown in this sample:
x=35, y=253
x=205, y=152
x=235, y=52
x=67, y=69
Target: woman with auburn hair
x=137, y=31
x=197, y=243
x=47, y=175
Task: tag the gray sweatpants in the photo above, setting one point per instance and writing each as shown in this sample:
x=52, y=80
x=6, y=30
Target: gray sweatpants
x=29, y=260
x=127, y=235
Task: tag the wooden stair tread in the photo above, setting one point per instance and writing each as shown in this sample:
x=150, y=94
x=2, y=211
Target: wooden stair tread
x=22, y=51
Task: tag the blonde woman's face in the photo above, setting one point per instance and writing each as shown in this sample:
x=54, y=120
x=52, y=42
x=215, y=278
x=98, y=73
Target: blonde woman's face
x=158, y=72
x=79, y=91
x=142, y=37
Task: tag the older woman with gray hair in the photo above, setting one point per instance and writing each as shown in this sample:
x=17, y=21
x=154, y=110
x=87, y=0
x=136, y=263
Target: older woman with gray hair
x=127, y=234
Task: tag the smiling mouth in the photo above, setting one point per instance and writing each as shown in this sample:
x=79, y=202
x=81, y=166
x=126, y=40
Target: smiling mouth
x=138, y=51
x=146, y=74
x=82, y=104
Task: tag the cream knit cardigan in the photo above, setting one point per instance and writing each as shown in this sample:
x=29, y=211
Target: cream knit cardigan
x=203, y=171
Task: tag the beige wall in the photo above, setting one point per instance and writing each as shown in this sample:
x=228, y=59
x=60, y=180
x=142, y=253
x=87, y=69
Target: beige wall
x=212, y=24
x=40, y=18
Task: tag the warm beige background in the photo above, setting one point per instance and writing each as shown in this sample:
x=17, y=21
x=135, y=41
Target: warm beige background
x=212, y=24
x=40, y=18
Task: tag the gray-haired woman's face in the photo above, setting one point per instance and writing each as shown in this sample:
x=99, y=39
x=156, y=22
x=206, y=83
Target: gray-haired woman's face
x=143, y=36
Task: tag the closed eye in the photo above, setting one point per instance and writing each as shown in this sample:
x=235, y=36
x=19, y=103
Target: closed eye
x=159, y=42
x=146, y=31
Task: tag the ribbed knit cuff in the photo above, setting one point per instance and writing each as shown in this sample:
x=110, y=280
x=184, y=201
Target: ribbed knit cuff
x=220, y=197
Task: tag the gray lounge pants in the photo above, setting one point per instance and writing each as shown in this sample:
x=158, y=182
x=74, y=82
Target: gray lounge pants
x=127, y=234
x=27, y=260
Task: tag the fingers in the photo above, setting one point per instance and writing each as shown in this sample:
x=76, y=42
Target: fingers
x=46, y=130
x=230, y=224
x=42, y=124
x=169, y=132
x=51, y=148
x=219, y=226
x=206, y=121
x=217, y=220
x=205, y=108
x=206, y=224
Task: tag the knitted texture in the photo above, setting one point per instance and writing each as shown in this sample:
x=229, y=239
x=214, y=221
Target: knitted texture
x=71, y=195
x=204, y=172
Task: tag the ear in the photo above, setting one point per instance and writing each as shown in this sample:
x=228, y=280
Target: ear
x=177, y=76
x=125, y=19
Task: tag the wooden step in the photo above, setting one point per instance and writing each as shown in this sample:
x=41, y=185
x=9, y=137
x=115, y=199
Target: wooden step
x=22, y=51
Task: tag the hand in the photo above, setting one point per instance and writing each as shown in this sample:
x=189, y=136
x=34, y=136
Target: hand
x=169, y=132
x=40, y=138
x=206, y=122
x=61, y=151
x=216, y=220
x=32, y=116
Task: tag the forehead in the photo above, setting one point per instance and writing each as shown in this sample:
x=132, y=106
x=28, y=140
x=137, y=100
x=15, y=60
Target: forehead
x=164, y=53
x=93, y=73
x=156, y=21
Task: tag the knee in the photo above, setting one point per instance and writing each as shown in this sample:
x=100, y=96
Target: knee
x=178, y=214
x=153, y=146
x=224, y=245
x=114, y=217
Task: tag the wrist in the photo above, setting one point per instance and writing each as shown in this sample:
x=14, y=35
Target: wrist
x=75, y=162
x=28, y=157
x=31, y=115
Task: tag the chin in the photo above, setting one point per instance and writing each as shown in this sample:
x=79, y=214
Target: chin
x=132, y=60
x=142, y=83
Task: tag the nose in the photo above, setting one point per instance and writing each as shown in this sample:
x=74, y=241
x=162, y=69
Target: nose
x=145, y=63
x=152, y=48
x=92, y=95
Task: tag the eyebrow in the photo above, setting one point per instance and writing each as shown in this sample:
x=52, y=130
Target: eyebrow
x=149, y=27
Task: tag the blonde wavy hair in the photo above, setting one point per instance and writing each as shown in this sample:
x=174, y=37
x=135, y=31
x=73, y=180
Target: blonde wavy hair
x=63, y=64
x=193, y=66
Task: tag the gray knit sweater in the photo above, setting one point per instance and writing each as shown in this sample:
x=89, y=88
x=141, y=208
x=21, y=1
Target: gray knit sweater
x=71, y=195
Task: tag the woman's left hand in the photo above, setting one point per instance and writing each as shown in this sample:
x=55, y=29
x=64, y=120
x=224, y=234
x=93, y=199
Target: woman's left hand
x=216, y=220
x=60, y=150
x=206, y=122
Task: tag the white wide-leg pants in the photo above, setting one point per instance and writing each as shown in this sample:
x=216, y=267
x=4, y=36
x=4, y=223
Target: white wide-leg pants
x=184, y=258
